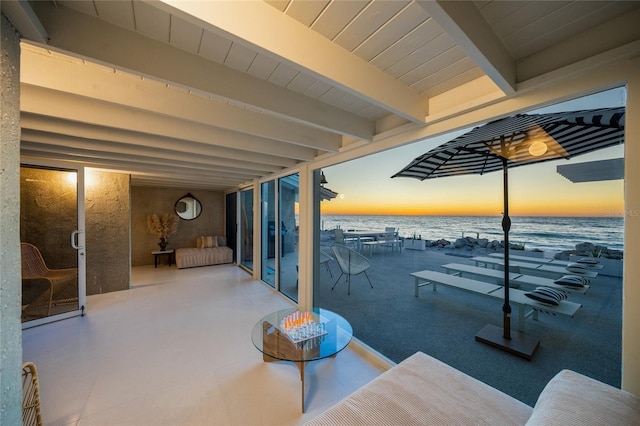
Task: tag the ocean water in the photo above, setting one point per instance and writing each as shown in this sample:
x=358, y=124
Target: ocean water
x=543, y=233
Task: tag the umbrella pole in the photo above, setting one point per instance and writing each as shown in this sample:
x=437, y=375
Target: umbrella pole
x=506, y=227
x=513, y=342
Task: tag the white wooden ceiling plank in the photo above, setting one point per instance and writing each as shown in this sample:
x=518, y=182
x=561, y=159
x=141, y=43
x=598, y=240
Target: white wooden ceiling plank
x=240, y=57
x=131, y=167
x=336, y=16
x=467, y=27
x=117, y=12
x=152, y=22
x=459, y=80
x=301, y=82
x=332, y=96
x=252, y=24
x=345, y=102
x=161, y=61
x=531, y=12
x=86, y=7
x=412, y=41
x=616, y=38
x=74, y=108
x=306, y=11
x=372, y=112
x=550, y=26
x=494, y=11
x=436, y=47
x=554, y=27
x=149, y=95
x=434, y=65
x=55, y=126
x=185, y=35
x=317, y=89
x=98, y=149
x=457, y=72
x=214, y=47
x=262, y=66
x=281, y=5
x=375, y=15
x=283, y=74
x=404, y=22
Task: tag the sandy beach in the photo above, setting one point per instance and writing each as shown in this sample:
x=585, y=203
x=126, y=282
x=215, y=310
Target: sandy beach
x=392, y=321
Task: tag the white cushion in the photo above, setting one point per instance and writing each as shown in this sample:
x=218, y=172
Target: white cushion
x=573, y=399
x=588, y=261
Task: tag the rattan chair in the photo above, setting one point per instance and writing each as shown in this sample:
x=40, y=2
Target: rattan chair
x=62, y=284
x=31, y=414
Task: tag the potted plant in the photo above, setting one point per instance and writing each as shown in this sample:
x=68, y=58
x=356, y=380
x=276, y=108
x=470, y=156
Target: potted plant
x=415, y=243
x=163, y=227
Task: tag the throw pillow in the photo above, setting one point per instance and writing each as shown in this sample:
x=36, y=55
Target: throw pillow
x=546, y=295
x=572, y=281
x=588, y=261
x=206, y=242
x=577, y=267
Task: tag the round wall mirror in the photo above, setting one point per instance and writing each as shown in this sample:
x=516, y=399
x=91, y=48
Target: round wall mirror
x=188, y=207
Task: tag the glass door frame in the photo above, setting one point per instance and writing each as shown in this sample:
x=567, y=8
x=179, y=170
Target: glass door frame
x=77, y=239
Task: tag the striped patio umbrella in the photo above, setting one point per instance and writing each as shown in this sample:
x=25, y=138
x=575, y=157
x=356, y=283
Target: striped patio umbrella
x=511, y=142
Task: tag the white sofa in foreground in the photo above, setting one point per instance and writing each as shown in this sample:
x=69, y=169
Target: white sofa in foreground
x=423, y=390
x=208, y=251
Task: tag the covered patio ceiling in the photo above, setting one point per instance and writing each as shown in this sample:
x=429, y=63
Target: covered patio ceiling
x=214, y=94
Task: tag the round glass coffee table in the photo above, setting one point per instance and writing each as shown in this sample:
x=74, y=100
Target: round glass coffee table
x=329, y=334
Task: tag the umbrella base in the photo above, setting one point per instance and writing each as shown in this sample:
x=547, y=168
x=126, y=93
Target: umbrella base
x=519, y=344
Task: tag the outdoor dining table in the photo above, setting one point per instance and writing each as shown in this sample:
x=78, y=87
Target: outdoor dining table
x=362, y=235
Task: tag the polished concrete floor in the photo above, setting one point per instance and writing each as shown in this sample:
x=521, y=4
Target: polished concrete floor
x=175, y=349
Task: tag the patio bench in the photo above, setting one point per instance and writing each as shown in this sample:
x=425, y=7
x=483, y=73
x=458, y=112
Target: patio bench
x=537, y=269
x=517, y=297
x=515, y=278
x=544, y=261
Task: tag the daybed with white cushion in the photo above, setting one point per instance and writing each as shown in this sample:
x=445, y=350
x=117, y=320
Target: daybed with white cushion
x=423, y=390
x=208, y=251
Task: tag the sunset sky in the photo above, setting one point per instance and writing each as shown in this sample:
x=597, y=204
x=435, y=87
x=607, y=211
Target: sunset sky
x=365, y=185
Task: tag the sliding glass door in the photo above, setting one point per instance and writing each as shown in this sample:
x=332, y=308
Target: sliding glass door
x=52, y=243
x=270, y=233
x=279, y=223
x=245, y=233
x=288, y=197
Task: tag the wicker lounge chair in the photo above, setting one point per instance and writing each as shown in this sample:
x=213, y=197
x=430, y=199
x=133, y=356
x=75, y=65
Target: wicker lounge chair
x=31, y=415
x=61, y=284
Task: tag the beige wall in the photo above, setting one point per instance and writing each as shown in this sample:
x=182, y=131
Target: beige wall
x=146, y=201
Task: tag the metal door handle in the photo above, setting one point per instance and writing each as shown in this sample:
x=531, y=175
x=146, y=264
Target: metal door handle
x=74, y=238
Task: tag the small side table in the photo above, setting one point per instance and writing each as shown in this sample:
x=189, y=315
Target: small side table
x=159, y=253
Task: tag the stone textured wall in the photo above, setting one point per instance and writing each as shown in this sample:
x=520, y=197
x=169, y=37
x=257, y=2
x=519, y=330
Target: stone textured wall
x=107, y=207
x=48, y=214
x=10, y=282
x=146, y=201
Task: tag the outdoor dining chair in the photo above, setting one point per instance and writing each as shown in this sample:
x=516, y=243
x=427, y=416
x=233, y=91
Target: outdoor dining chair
x=340, y=238
x=351, y=263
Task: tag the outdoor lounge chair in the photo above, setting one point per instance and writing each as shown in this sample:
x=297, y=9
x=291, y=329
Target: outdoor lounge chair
x=61, y=284
x=325, y=258
x=351, y=263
